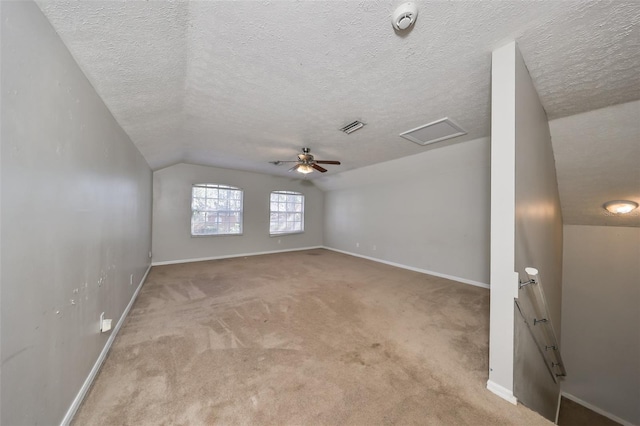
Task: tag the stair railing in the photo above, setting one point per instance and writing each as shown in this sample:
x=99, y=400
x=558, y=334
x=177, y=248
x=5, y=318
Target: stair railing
x=532, y=304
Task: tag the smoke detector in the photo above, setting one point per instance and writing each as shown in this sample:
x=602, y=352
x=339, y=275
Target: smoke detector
x=404, y=16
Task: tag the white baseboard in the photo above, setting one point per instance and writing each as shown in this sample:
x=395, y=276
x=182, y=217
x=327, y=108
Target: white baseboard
x=597, y=410
x=398, y=265
x=558, y=408
x=103, y=355
x=502, y=392
x=230, y=256
x=411, y=268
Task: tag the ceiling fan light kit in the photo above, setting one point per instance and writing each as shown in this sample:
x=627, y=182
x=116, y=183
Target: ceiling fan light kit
x=304, y=168
x=306, y=163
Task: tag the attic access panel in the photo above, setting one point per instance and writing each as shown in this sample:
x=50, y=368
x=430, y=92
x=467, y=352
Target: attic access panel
x=433, y=132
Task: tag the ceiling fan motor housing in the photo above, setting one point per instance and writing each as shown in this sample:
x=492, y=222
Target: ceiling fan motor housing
x=307, y=163
x=305, y=157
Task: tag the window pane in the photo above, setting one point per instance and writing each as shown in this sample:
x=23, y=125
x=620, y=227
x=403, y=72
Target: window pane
x=216, y=210
x=287, y=214
x=197, y=223
x=197, y=204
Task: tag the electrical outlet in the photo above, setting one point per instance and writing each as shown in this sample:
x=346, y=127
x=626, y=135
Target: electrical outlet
x=357, y=245
x=149, y=255
x=105, y=323
x=279, y=241
x=131, y=279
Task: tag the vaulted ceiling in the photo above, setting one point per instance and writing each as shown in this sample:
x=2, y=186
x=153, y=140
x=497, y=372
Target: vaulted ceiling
x=239, y=84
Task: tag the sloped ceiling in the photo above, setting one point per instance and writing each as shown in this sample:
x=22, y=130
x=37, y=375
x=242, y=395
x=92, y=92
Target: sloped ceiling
x=239, y=84
x=598, y=159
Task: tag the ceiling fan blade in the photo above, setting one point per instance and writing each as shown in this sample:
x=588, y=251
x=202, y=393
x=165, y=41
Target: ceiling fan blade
x=327, y=162
x=318, y=168
x=294, y=168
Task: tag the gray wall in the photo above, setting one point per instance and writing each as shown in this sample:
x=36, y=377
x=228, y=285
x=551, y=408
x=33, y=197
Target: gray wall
x=75, y=221
x=526, y=230
x=172, y=239
x=600, y=317
x=538, y=238
x=428, y=211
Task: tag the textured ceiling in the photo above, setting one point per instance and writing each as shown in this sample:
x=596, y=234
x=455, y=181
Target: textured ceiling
x=597, y=160
x=239, y=84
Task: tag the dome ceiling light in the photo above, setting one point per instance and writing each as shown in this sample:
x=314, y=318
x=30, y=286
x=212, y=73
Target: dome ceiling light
x=620, y=206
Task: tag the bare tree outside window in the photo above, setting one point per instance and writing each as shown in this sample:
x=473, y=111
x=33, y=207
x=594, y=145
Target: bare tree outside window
x=287, y=213
x=216, y=210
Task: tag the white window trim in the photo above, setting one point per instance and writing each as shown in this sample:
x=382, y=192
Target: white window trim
x=218, y=186
x=302, y=222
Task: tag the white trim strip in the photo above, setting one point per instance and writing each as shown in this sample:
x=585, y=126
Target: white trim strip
x=230, y=256
x=502, y=392
x=411, y=268
x=558, y=408
x=597, y=410
x=398, y=265
x=103, y=355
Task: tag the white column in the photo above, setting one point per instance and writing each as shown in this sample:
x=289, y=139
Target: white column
x=503, y=279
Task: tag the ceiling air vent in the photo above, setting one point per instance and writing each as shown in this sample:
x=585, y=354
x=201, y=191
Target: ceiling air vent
x=352, y=127
x=436, y=131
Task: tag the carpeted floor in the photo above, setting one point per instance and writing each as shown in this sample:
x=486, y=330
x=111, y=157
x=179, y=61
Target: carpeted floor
x=301, y=338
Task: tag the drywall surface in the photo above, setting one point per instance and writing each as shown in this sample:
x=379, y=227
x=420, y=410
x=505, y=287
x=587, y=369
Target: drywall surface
x=172, y=240
x=428, y=211
x=538, y=238
x=600, y=317
x=76, y=220
x=597, y=156
x=526, y=230
x=538, y=215
x=504, y=282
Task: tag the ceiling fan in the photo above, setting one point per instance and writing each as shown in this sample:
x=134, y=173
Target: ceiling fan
x=306, y=163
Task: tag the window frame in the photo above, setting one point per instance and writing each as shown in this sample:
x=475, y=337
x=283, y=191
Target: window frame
x=301, y=212
x=229, y=211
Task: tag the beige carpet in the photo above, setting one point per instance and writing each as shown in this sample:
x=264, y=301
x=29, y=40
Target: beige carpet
x=303, y=338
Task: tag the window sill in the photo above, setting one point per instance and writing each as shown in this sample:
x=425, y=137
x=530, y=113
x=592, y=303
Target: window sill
x=216, y=235
x=286, y=233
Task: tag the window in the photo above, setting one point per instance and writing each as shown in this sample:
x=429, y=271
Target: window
x=216, y=210
x=287, y=213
